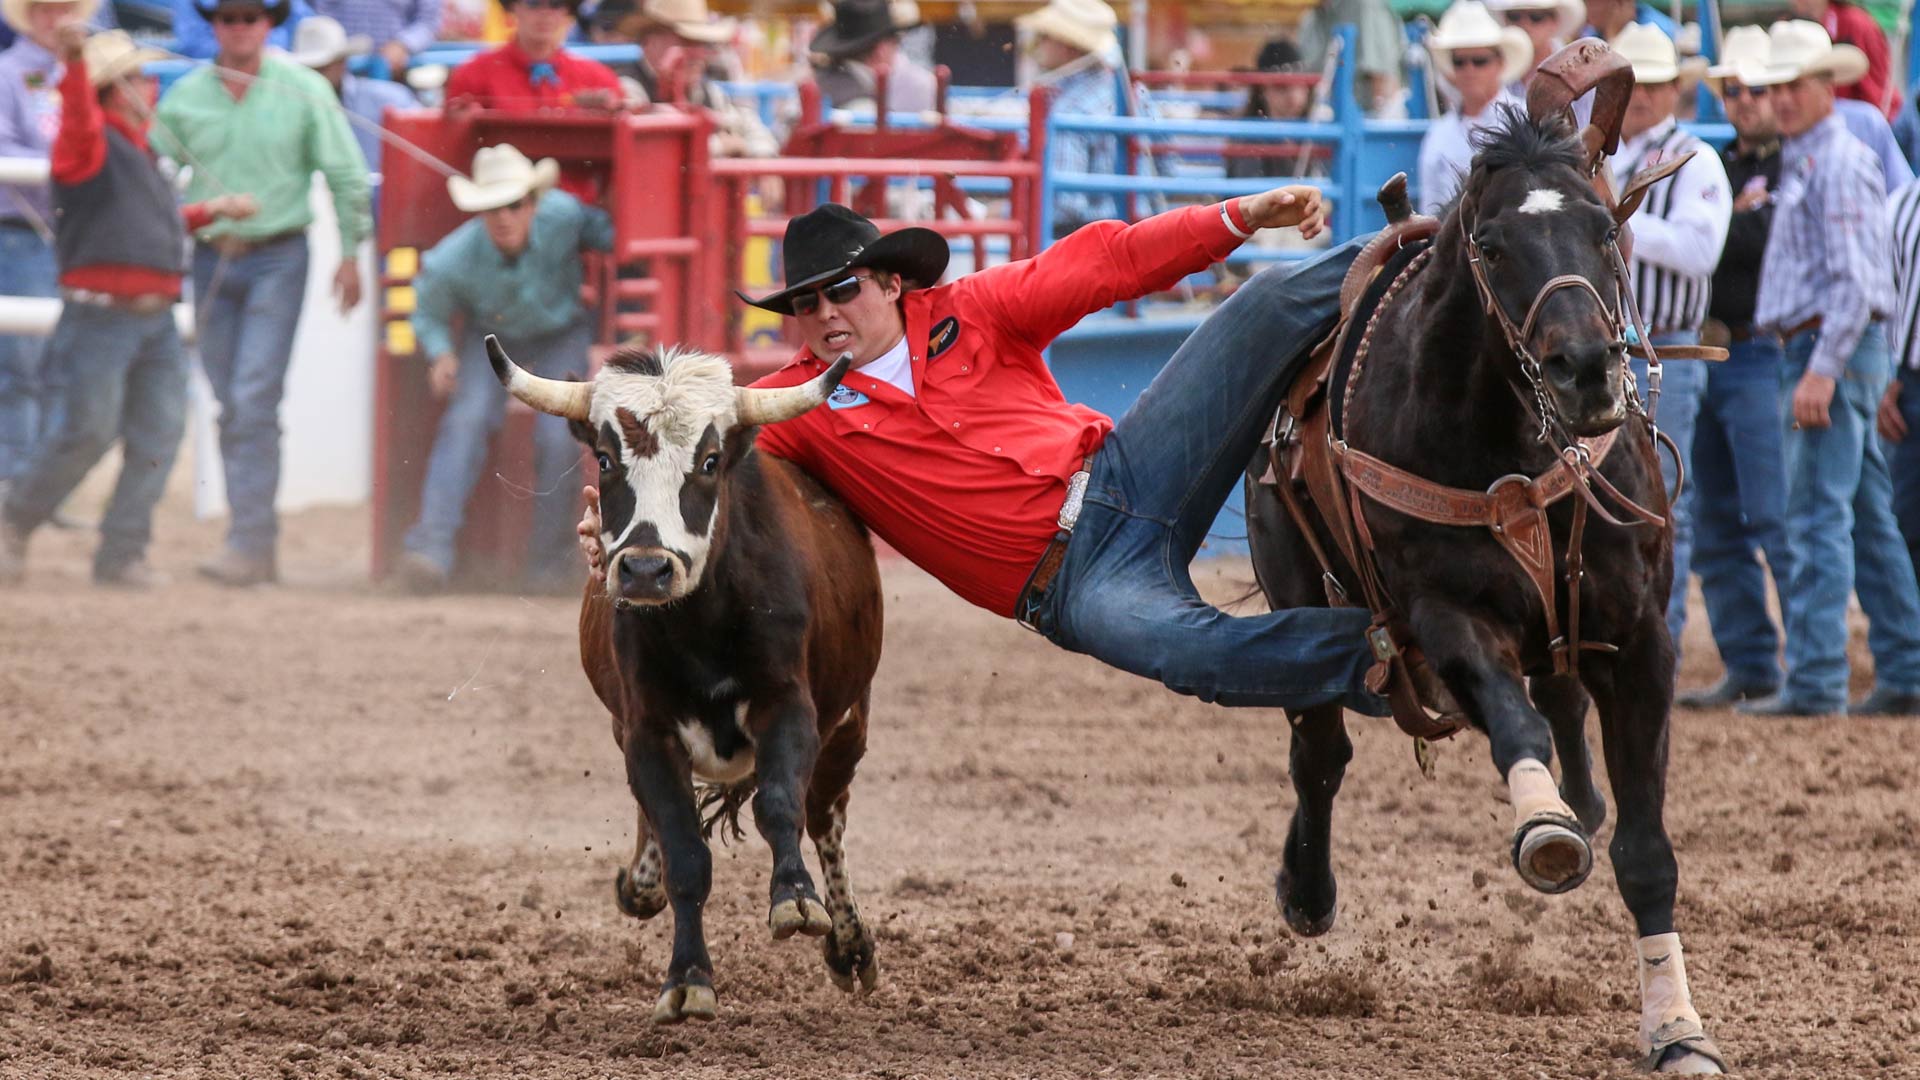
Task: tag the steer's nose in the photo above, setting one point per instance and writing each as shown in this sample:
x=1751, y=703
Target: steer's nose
x=645, y=575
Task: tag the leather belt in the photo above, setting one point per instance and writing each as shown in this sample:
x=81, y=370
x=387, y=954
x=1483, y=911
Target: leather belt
x=1810, y=324
x=233, y=247
x=142, y=304
x=1035, y=590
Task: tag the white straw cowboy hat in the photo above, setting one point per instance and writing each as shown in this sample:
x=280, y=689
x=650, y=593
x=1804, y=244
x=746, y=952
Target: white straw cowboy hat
x=1469, y=25
x=690, y=19
x=15, y=12
x=1087, y=25
x=502, y=176
x=1651, y=51
x=1573, y=13
x=1744, y=58
x=319, y=40
x=1801, y=48
x=113, y=54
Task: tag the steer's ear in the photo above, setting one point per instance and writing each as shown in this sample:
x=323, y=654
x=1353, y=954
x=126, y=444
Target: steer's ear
x=584, y=432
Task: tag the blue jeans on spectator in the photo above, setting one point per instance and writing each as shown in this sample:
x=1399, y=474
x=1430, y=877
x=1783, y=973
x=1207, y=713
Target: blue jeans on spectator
x=474, y=413
x=1740, y=507
x=1840, y=525
x=1124, y=594
x=1682, y=385
x=126, y=382
x=29, y=387
x=248, y=307
x=1903, y=459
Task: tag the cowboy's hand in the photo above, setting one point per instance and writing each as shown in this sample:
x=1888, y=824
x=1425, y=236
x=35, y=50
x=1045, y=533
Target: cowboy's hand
x=596, y=98
x=589, y=530
x=443, y=375
x=1812, y=398
x=1892, y=425
x=346, y=284
x=397, y=57
x=233, y=207
x=1750, y=200
x=1297, y=204
x=69, y=40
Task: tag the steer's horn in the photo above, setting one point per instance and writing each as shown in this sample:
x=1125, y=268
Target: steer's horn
x=572, y=400
x=769, y=405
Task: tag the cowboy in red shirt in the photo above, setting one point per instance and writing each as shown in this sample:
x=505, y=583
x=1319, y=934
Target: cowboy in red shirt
x=1850, y=25
x=950, y=439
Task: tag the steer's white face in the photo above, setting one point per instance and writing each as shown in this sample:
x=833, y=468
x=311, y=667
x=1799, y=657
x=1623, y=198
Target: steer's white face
x=659, y=427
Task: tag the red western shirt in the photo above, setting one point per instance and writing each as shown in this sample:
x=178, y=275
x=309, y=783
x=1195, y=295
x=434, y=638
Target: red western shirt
x=1853, y=26
x=79, y=153
x=503, y=79
x=966, y=477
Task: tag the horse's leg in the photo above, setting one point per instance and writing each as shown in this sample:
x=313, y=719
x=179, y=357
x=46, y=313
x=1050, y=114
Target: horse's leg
x=1564, y=702
x=1633, y=728
x=1305, y=888
x=1480, y=663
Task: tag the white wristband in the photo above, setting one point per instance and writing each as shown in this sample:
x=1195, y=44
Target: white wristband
x=1231, y=227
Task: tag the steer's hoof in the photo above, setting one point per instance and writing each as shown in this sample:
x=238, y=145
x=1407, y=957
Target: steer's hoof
x=853, y=964
x=1552, y=856
x=866, y=976
x=641, y=903
x=689, y=1002
x=799, y=915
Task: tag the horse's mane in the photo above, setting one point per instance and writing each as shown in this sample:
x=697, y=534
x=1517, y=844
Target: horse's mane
x=1516, y=140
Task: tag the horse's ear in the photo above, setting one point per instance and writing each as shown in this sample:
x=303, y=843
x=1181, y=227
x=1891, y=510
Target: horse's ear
x=1642, y=182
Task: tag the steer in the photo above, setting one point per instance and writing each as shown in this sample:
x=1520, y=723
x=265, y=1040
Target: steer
x=734, y=642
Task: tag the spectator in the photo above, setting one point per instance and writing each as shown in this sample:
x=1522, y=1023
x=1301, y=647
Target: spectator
x=1739, y=455
x=1825, y=286
x=1906, y=128
x=121, y=251
x=1074, y=44
x=103, y=18
x=682, y=34
x=862, y=38
x=396, y=28
x=1900, y=410
x=193, y=29
x=1678, y=234
x=1380, y=44
x=1478, y=57
x=515, y=271
x=1548, y=25
x=323, y=45
x=1607, y=18
x=1289, y=101
x=29, y=116
x=261, y=124
x=1846, y=24
x=1867, y=124
x=533, y=70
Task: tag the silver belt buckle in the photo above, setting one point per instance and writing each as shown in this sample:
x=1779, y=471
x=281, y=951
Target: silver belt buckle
x=1076, y=496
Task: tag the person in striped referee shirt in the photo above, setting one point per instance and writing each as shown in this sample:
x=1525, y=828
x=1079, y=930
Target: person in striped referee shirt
x=1677, y=236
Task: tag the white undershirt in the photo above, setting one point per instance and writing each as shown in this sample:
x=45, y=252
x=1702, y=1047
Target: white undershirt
x=894, y=367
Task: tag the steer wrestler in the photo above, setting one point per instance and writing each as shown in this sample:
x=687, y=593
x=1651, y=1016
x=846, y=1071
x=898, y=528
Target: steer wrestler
x=951, y=440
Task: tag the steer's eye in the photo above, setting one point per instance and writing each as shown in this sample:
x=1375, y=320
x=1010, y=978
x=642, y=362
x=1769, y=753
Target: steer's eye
x=606, y=463
x=710, y=465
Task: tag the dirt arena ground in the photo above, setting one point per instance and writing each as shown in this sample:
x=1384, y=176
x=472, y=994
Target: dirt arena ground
x=317, y=831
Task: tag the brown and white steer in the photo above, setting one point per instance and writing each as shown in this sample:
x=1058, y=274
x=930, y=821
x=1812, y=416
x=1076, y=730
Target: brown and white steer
x=734, y=642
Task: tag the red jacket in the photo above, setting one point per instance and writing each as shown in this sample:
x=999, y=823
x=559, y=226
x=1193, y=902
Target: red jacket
x=503, y=79
x=1853, y=26
x=966, y=477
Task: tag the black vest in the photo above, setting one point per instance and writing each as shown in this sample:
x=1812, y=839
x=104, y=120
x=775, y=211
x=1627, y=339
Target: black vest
x=124, y=215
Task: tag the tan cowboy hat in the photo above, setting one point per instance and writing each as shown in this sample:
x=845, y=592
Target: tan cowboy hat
x=502, y=176
x=690, y=19
x=320, y=40
x=1469, y=25
x=1087, y=25
x=1653, y=55
x=1800, y=48
x=15, y=11
x=1573, y=13
x=1744, y=58
x=111, y=54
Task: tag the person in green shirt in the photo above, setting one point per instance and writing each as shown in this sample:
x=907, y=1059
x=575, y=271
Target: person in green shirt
x=261, y=125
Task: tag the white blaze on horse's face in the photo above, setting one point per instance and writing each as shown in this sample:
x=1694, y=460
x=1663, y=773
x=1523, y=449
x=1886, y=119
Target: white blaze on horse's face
x=1543, y=201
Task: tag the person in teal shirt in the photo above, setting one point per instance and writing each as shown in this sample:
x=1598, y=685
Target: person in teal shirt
x=514, y=270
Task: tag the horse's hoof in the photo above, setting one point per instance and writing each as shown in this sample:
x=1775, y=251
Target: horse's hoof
x=799, y=915
x=687, y=1002
x=1298, y=919
x=1551, y=858
x=637, y=902
x=1682, y=1060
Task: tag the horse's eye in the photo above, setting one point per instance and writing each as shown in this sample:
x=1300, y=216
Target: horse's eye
x=1613, y=234
x=711, y=465
x=606, y=463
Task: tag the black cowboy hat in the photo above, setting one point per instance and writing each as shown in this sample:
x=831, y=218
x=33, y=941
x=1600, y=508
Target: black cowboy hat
x=824, y=243
x=276, y=12
x=858, y=25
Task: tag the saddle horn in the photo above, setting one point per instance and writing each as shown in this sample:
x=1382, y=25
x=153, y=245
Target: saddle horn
x=1567, y=75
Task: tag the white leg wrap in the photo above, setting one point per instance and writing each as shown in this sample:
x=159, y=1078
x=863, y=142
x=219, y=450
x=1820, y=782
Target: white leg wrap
x=1531, y=789
x=1664, y=1000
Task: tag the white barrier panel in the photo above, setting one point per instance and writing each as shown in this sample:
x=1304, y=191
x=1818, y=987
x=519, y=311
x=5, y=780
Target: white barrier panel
x=35, y=316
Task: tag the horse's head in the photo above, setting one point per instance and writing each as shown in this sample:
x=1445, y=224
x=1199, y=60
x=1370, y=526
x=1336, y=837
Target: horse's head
x=1540, y=243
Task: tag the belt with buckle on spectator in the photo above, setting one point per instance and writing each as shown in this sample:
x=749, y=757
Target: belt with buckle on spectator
x=141, y=304
x=233, y=247
x=1810, y=324
x=1035, y=589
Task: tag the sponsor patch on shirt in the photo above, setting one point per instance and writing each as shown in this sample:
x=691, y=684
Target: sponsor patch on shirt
x=945, y=333
x=845, y=397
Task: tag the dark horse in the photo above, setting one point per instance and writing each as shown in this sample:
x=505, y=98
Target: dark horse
x=1444, y=395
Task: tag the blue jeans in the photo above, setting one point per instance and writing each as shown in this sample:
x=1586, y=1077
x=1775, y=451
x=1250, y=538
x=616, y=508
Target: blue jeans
x=474, y=413
x=1123, y=595
x=248, y=308
x=1682, y=385
x=1903, y=459
x=29, y=386
x=1740, y=507
x=1840, y=525
x=126, y=382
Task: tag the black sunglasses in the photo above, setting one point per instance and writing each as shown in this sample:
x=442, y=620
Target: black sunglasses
x=1532, y=16
x=1734, y=91
x=838, y=293
x=1479, y=61
x=239, y=18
